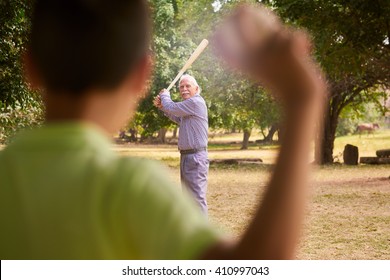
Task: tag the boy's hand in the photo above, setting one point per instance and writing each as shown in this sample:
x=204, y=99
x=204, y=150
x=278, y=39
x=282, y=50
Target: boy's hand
x=277, y=57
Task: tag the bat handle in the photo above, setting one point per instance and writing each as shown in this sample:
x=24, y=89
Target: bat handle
x=170, y=86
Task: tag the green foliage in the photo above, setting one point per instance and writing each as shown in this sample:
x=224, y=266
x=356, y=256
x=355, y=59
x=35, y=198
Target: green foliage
x=353, y=115
x=366, y=108
x=347, y=123
x=351, y=39
x=14, y=25
x=237, y=103
x=170, y=50
x=20, y=116
x=19, y=107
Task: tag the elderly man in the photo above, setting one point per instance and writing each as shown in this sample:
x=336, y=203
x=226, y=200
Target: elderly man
x=191, y=116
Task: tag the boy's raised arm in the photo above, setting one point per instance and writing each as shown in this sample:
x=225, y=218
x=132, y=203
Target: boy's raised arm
x=289, y=72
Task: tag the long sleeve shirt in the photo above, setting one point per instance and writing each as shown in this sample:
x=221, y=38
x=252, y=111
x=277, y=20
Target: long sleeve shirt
x=191, y=116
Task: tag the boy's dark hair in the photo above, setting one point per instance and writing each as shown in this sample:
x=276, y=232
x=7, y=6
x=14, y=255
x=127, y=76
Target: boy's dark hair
x=82, y=44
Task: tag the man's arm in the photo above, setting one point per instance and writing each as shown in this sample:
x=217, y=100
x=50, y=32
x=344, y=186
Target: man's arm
x=157, y=103
x=172, y=117
x=179, y=109
x=290, y=73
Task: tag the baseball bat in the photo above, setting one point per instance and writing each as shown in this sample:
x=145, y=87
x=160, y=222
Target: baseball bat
x=189, y=62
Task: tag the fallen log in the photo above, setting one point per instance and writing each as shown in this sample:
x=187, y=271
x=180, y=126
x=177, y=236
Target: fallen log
x=384, y=160
x=383, y=153
x=236, y=161
x=374, y=160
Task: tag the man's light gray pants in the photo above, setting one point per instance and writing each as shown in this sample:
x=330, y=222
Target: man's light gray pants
x=194, y=169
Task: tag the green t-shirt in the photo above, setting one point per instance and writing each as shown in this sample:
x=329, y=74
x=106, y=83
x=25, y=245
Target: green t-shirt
x=64, y=194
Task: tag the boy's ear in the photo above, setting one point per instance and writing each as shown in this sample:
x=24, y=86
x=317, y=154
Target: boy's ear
x=31, y=73
x=141, y=74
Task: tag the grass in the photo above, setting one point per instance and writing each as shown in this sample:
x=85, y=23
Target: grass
x=367, y=143
x=348, y=216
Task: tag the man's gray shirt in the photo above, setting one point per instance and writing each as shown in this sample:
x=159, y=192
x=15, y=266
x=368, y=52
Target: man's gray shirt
x=191, y=116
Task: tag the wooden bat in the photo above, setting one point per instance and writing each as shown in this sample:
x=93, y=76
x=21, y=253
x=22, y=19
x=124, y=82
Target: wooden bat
x=189, y=62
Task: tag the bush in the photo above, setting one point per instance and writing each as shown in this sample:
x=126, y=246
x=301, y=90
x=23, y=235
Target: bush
x=19, y=116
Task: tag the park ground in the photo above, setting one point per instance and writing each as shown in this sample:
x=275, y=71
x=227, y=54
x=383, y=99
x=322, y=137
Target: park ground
x=348, y=215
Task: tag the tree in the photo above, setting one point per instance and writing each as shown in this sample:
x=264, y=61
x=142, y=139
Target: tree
x=351, y=40
x=241, y=105
x=19, y=107
x=15, y=19
x=148, y=119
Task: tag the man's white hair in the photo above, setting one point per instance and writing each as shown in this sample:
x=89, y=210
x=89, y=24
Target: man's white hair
x=192, y=81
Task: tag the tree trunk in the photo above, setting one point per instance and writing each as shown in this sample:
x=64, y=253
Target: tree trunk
x=174, y=136
x=161, y=135
x=245, y=141
x=133, y=135
x=274, y=128
x=280, y=133
x=325, y=139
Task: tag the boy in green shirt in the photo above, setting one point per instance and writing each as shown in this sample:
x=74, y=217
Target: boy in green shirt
x=65, y=195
